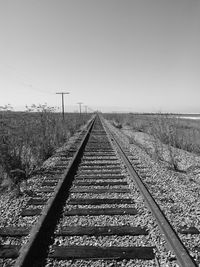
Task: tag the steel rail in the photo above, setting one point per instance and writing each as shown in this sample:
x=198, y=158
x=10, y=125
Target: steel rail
x=174, y=242
x=32, y=253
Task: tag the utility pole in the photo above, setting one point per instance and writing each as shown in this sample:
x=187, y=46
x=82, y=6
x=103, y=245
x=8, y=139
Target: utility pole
x=63, y=109
x=80, y=117
x=85, y=109
x=80, y=103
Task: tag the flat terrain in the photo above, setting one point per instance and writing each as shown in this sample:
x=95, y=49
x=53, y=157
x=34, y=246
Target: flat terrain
x=171, y=174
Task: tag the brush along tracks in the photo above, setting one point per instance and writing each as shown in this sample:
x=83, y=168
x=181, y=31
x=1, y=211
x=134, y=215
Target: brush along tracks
x=94, y=217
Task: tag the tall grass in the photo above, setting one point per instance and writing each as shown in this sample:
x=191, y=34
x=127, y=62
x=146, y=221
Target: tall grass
x=168, y=128
x=28, y=138
x=168, y=132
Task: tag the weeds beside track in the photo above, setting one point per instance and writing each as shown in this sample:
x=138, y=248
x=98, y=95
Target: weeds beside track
x=98, y=151
x=29, y=138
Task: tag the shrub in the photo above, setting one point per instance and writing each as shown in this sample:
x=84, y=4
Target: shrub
x=28, y=138
x=169, y=132
x=117, y=125
x=165, y=129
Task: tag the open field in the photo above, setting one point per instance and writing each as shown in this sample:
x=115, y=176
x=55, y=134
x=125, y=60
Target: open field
x=167, y=138
x=178, y=131
x=103, y=209
x=29, y=138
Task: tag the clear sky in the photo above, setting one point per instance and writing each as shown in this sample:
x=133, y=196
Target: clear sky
x=113, y=55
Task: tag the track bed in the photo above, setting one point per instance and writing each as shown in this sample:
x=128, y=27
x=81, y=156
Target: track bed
x=93, y=215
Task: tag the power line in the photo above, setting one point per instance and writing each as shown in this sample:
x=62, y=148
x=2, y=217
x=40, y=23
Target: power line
x=22, y=79
x=91, y=109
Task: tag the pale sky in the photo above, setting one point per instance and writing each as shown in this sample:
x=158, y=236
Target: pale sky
x=112, y=55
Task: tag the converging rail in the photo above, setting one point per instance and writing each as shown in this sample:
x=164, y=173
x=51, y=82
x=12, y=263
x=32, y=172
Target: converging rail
x=171, y=237
x=92, y=199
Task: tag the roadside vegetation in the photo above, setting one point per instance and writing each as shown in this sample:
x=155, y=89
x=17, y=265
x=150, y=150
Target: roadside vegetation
x=166, y=131
x=28, y=138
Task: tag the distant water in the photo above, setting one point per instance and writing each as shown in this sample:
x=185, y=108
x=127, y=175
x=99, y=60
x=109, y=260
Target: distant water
x=190, y=117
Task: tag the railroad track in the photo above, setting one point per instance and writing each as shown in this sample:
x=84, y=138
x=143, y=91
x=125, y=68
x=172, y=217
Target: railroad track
x=86, y=217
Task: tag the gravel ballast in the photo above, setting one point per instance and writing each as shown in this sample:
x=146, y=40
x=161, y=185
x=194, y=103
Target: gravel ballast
x=177, y=193
x=11, y=206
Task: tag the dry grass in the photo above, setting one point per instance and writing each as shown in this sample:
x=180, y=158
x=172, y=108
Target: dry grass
x=167, y=131
x=28, y=138
x=180, y=133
